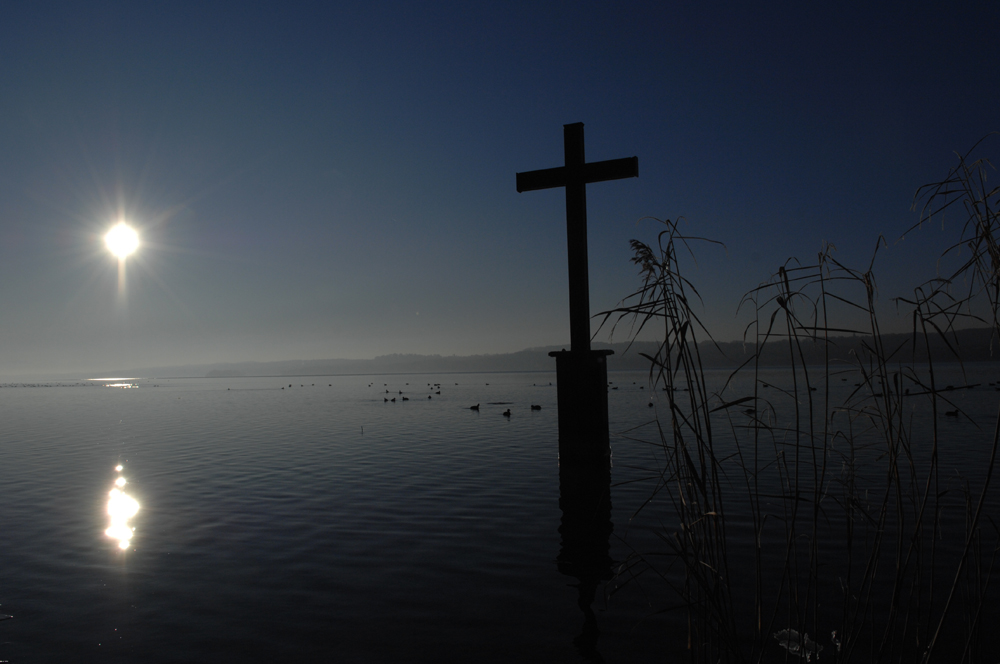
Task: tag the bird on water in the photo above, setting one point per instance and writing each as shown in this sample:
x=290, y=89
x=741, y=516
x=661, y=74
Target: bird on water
x=476, y=407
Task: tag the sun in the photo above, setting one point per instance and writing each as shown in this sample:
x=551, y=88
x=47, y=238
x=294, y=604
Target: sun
x=122, y=240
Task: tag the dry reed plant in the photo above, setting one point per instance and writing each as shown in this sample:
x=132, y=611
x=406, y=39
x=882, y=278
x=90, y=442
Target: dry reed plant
x=814, y=512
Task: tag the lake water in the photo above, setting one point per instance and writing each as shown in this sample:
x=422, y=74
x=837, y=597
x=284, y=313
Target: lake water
x=309, y=519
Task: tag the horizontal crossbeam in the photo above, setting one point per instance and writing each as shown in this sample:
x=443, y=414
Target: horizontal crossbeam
x=598, y=171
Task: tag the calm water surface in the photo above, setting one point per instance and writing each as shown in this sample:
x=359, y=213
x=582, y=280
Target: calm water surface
x=312, y=521
x=307, y=519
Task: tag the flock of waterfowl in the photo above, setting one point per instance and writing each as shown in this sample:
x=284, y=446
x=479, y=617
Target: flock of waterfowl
x=435, y=389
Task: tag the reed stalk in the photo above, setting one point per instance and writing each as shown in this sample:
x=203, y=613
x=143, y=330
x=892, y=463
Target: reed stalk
x=863, y=546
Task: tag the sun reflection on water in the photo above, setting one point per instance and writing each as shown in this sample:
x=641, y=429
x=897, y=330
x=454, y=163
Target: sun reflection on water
x=121, y=508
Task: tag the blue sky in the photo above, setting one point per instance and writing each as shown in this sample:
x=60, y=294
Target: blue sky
x=324, y=180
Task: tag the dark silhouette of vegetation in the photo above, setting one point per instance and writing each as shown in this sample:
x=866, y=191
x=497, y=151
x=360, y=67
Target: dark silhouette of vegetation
x=809, y=516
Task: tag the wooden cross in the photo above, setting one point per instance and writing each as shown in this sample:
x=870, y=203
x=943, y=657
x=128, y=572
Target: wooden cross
x=575, y=176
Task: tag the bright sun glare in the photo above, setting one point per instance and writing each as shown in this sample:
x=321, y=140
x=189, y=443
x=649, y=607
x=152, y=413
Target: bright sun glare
x=122, y=240
x=121, y=508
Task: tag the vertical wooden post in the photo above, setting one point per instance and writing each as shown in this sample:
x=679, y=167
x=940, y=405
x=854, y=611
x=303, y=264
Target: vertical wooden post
x=582, y=374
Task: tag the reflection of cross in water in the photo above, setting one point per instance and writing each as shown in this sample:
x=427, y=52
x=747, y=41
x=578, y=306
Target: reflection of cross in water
x=585, y=530
x=586, y=642
x=575, y=176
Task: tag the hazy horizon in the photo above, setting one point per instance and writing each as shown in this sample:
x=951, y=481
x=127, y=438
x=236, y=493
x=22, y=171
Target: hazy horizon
x=976, y=344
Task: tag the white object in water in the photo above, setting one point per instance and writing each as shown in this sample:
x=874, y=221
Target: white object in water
x=802, y=645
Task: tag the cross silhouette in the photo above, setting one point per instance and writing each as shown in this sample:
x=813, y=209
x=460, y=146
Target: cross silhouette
x=575, y=176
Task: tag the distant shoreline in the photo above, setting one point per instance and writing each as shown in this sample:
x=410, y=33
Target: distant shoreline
x=974, y=345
